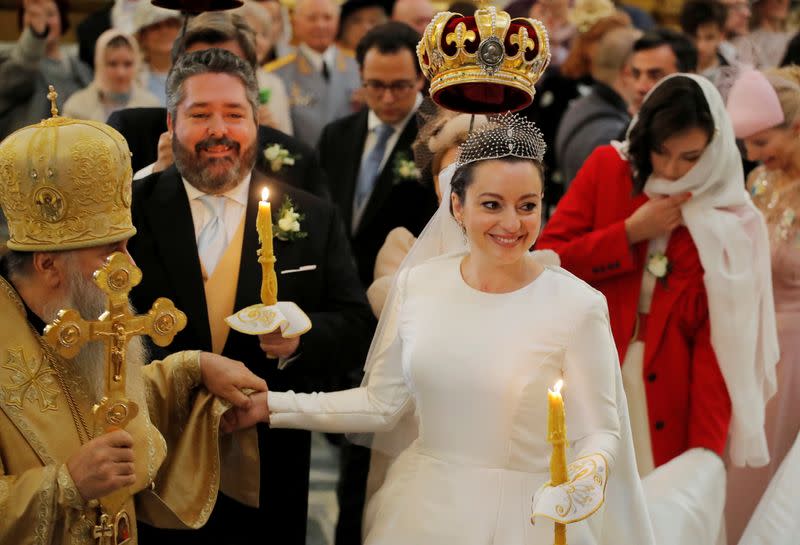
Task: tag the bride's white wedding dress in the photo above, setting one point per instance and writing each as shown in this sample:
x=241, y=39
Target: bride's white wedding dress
x=476, y=367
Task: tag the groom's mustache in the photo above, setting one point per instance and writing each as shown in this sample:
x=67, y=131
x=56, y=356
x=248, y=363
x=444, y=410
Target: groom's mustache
x=211, y=142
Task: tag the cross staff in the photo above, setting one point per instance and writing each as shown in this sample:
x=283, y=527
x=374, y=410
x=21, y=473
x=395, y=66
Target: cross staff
x=69, y=332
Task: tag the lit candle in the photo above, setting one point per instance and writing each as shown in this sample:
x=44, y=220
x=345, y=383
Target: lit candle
x=557, y=436
x=266, y=256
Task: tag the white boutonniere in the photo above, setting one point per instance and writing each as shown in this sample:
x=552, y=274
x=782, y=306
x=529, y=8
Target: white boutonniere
x=288, y=226
x=405, y=168
x=659, y=266
x=277, y=156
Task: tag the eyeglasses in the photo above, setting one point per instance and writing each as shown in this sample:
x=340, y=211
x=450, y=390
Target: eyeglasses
x=396, y=87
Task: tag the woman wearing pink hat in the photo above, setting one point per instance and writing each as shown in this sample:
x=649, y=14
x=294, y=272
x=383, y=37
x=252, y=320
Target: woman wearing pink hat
x=765, y=111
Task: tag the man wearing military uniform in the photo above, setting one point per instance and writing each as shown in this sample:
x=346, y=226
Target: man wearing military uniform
x=322, y=81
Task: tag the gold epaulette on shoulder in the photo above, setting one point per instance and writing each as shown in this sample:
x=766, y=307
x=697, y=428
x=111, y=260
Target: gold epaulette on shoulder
x=280, y=62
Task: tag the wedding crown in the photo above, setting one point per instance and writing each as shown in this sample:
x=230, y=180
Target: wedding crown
x=483, y=63
x=507, y=135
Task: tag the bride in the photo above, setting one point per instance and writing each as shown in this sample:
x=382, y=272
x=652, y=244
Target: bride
x=474, y=331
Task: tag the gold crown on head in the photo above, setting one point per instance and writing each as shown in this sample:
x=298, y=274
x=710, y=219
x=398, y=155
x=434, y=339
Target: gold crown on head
x=483, y=63
x=65, y=184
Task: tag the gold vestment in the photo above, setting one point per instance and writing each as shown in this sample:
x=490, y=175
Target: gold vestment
x=44, y=411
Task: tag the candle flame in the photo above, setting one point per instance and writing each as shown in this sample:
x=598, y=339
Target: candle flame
x=557, y=388
x=265, y=194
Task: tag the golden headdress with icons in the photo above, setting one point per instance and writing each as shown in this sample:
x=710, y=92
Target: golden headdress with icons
x=483, y=63
x=65, y=184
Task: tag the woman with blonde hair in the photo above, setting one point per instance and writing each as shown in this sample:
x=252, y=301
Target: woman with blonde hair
x=114, y=86
x=156, y=30
x=765, y=110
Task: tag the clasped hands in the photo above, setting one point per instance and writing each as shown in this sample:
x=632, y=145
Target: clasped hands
x=106, y=463
x=244, y=415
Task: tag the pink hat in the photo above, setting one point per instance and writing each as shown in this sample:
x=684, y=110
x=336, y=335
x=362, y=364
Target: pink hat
x=753, y=104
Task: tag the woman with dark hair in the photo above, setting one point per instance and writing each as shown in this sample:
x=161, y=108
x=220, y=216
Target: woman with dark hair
x=474, y=331
x=663, y=227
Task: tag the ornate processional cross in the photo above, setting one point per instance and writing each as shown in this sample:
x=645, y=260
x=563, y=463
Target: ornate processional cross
x=69, y=332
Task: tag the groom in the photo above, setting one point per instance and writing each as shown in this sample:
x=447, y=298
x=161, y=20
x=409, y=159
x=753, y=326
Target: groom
x=197, y=243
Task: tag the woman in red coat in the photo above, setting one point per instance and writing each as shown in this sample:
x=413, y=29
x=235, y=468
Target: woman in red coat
x=663, y=227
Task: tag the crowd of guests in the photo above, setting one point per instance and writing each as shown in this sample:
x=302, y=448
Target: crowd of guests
x=343, y=115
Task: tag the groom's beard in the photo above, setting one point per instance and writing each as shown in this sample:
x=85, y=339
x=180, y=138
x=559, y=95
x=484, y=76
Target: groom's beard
x=90, y=363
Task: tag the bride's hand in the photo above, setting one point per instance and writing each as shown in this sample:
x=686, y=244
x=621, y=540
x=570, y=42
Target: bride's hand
x=240, y=418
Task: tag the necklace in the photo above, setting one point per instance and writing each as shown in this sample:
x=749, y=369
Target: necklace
x=77, y=417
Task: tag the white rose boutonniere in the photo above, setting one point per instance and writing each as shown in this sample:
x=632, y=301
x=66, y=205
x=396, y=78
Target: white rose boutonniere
x=277, y=157
x=659, y=266
x=288, y=226
x=405, y=168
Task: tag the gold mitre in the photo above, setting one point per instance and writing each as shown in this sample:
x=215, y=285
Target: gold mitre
x=65, y=184
x=585, y=13
x=484, y=63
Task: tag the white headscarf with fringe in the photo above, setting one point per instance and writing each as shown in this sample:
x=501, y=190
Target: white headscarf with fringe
x=732, y=241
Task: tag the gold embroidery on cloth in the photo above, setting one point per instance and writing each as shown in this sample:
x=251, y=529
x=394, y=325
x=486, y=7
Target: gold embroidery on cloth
x=32, y=380
x=67, y=486
x=65, y=183
x=44, y=517
x=303, y=65
x=16, y=416
x=5, y=494
x=585, y=491
x=12, y=294
x=218, y=410
x=587, y=476
x=299, y=98
x=186, y=375
x=779, y=200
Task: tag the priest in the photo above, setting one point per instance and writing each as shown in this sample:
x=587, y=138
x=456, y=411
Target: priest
x=65, y=187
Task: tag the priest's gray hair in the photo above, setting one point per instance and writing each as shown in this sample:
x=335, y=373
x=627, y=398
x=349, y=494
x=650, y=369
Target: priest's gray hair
x=17, y=265
x=209, y=61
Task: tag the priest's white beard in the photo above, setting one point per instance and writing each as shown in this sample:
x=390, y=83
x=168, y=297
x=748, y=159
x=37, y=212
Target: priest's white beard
x=90, y=363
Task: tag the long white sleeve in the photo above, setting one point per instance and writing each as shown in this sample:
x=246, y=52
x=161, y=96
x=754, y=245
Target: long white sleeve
x=593, y=419
x=371, y=408
x=590, y=387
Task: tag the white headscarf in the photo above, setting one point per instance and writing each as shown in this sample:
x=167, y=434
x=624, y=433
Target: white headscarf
x=101, y=77
x=732, y=241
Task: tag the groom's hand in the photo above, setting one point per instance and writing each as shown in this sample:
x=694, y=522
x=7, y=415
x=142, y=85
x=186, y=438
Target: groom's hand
x=276, y=346
x=240, y=418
